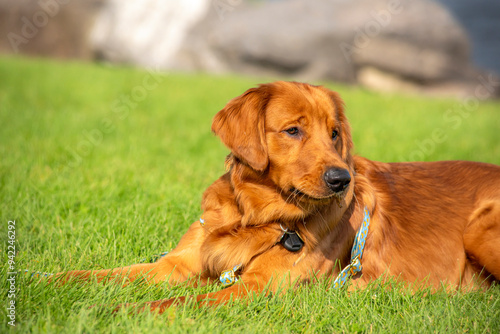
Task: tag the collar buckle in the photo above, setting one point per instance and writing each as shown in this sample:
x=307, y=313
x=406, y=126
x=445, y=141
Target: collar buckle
x=291, y=240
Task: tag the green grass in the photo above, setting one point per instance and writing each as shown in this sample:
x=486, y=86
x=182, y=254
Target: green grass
x=94, y=181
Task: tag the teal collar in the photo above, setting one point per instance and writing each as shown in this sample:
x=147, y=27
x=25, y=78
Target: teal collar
x=357, y=252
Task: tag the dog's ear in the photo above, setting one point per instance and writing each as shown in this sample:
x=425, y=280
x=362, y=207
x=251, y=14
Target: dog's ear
x=241, y=127
x=346, y=139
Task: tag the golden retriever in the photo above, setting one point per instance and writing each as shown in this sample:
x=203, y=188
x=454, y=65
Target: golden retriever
x=294, y=197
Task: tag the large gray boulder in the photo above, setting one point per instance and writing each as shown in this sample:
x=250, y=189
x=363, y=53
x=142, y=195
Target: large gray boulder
x=291, y=38
x=388, y=45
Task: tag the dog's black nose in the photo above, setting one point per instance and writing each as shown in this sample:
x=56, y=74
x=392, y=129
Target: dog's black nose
x=337, y=179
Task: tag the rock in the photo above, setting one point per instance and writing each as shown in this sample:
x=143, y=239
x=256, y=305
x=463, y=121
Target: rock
x=389, y=45
x=144, y=32
x=53, y=28
x=296, y=39
x=417, y=44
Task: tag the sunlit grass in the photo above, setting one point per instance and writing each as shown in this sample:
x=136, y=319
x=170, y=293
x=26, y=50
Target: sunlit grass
x=102, y=166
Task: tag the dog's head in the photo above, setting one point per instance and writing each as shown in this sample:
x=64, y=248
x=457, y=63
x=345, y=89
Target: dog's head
x=295, y=135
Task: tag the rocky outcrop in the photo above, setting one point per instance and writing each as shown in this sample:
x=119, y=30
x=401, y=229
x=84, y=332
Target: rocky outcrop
x=52, y=28
x=389, y=45
x=145, y=32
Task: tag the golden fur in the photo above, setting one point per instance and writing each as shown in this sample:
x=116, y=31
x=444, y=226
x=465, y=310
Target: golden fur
x=431, y=222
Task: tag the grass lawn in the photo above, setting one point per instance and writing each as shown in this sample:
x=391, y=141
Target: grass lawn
x=102, y=166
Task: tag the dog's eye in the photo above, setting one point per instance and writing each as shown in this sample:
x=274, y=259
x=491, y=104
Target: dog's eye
x=292, y=131
x=335, y=133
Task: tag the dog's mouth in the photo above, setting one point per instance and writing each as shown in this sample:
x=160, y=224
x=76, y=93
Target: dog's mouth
x=302, y=196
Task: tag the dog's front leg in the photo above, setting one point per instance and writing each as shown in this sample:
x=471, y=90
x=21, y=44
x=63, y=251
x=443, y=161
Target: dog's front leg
x=261, y=277
x=182, y=263
x=238, y=291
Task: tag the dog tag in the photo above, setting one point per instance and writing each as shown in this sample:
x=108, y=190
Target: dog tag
x=292, y=242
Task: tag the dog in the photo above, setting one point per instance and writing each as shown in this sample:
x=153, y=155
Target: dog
x=294, y=200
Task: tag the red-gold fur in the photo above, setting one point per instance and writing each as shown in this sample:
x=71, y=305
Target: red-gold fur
x=432, y=223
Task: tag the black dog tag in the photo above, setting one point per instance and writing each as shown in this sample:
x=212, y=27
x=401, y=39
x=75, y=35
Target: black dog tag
x=292, y=242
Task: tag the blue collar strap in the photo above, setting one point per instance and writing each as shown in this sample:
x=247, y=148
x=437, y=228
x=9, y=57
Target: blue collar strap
x=357, y=252
x=229, y=277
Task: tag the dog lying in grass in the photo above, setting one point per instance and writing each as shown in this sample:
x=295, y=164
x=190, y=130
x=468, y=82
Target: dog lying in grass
x=295, y=203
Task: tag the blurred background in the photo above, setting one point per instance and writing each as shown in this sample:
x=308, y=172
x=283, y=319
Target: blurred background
x=438, y=48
